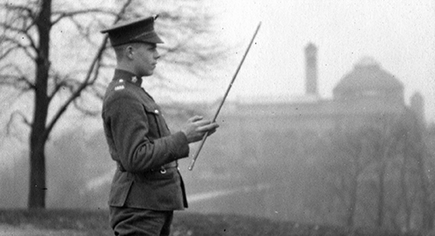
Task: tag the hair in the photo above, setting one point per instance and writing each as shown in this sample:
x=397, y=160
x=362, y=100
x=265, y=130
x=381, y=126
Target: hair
x=120, y=50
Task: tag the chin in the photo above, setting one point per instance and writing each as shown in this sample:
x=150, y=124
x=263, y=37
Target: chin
x=148, y=73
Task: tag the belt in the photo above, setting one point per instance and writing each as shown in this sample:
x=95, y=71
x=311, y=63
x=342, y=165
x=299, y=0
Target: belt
x=162, y=169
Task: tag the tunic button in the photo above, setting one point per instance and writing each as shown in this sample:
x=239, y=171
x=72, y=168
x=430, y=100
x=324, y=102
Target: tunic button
x=156, y=111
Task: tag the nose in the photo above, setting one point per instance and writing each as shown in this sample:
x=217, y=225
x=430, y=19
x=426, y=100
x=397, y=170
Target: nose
x=156, y=55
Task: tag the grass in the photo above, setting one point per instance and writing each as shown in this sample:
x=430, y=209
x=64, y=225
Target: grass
x=95, y=222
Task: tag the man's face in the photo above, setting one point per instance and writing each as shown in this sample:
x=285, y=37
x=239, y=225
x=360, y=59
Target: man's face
x=145, y=58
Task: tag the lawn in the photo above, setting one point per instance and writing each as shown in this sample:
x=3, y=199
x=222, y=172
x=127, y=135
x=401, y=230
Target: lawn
x=94, y=222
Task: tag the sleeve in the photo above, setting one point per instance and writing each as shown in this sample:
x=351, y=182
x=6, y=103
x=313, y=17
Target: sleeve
x=130, y=128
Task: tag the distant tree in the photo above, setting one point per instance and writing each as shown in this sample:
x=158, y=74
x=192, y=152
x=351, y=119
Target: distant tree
x=406, y=173
x=384, y=142
x=382, y=172
x=421, y=166
x=32, y=52
x=348, y=160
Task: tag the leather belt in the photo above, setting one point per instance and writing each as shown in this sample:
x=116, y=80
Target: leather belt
x=162, y=169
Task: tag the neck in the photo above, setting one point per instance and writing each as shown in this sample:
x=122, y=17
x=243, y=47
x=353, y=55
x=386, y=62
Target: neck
x=126, y=67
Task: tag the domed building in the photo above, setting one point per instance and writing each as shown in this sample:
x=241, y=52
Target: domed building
x=368, y=93
x=261, y=127
x=279, y=136
x=368, y=79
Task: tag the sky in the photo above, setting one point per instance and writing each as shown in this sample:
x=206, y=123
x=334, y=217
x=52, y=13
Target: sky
x=397, y=34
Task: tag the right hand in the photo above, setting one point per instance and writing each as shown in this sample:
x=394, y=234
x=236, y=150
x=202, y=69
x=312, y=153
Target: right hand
x=196, y=128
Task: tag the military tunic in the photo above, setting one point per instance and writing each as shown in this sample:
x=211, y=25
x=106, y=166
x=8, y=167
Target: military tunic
x=145, y=151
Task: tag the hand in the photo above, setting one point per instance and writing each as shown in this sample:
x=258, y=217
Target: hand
x=196, y=128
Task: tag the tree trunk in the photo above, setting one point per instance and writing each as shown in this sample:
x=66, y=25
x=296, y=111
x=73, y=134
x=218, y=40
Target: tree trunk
x=426, y=204
x=37, y=188
x=419, y=153
x=404, y=188
x=39, y=135
x=353, y=196
x=381, y=196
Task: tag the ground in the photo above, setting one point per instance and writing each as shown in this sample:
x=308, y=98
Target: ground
x=94, y=222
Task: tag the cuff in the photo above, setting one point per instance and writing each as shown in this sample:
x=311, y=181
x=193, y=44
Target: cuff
x=182, y=145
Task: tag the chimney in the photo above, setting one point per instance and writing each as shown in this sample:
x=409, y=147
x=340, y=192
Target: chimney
x=311, y=70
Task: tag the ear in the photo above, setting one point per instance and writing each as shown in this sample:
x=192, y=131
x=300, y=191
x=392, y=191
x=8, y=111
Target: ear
x=129, y=52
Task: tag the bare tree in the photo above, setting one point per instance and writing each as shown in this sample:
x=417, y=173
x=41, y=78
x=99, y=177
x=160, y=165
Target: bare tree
x=191, y=44
x=27, y=65
x=421, y=165
x=27, y=36
x=349, y=159
x=410, y=178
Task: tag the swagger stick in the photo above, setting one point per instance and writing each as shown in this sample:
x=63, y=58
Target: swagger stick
x=225, y=96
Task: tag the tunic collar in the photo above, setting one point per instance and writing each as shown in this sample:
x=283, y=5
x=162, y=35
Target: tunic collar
x=127, y=76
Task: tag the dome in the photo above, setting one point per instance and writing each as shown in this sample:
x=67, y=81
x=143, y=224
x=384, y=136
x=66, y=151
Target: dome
x=367, y=75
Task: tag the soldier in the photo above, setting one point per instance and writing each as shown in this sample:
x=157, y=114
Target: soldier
x=147, y=186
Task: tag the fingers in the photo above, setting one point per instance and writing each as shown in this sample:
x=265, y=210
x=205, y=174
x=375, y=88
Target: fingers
x=195, y=119
x=198, y=121
x=209, y=127
x=197, y=127
x=202, y=123
x=211, y=132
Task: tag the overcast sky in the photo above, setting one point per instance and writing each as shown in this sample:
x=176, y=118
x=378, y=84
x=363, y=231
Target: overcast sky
x=398, y=34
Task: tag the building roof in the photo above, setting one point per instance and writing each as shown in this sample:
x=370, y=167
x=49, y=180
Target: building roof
x=367, y=75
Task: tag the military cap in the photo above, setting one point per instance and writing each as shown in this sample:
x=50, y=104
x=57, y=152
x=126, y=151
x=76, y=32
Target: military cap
x=138, y=30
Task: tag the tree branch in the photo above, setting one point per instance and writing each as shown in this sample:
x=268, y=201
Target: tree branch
x=15, y=80
x=11, y=118
x=10, y=6
x=21, y=31
x=14, y=45
x=61, y=15
x=85, y=111
x=88, y=80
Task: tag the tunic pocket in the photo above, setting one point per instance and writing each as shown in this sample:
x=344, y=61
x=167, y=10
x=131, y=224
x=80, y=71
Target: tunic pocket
x=153, y=116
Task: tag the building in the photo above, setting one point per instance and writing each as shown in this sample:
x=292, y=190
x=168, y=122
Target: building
x=267, y=151
x=267, y=129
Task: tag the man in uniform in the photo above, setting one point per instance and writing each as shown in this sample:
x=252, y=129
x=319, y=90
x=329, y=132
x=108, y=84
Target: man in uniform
x=147, y=186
